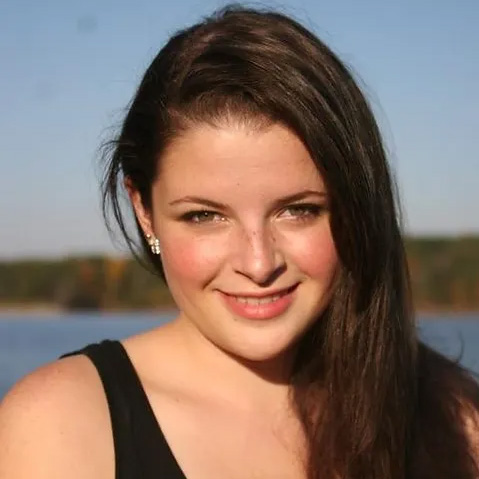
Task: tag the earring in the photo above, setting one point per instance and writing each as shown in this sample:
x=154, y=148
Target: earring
x=154, y=244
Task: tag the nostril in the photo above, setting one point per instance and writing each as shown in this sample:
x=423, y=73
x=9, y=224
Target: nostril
x=273, y=276
x=257, y=256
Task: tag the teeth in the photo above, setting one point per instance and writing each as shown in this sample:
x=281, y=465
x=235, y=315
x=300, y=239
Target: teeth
x=256, y=301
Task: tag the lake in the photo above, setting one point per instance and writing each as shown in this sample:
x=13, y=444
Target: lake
x=27, y=341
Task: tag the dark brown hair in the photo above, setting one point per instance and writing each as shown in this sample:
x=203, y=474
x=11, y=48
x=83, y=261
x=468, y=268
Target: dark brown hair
x=375, y=403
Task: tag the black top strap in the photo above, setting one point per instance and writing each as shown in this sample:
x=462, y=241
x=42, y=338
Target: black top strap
x=141, y=450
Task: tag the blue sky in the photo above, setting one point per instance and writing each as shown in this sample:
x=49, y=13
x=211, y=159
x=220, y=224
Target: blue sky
x=68, y=70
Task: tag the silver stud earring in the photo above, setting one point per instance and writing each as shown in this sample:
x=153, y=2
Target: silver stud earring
x=154, y=244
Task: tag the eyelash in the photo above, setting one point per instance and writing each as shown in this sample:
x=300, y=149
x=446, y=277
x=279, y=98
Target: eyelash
x=201, y=216
x=306, y=212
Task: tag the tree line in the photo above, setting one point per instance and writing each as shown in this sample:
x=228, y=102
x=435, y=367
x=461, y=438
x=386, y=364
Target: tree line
x=444, y=275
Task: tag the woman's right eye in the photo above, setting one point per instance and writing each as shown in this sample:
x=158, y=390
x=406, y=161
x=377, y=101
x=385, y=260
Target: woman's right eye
x=203, y=216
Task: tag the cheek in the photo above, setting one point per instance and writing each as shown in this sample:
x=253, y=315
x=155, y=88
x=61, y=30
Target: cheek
x=315, y=254
x=192, y=261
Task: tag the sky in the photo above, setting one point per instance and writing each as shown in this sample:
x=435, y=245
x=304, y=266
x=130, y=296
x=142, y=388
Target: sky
x=68, y=70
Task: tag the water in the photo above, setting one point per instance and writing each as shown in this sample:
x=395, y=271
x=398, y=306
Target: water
x=26, y=342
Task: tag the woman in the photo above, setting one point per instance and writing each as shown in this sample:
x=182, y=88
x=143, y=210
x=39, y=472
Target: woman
x=262, y=194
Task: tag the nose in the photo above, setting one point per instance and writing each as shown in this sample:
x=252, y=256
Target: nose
x=258, y=256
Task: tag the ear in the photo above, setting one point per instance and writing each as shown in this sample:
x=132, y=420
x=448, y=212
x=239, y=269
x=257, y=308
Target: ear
x=142, y=214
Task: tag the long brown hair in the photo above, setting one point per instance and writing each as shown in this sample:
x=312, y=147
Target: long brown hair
x=372, y=399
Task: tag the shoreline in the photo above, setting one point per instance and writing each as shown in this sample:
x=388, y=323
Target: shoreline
x=42, y=310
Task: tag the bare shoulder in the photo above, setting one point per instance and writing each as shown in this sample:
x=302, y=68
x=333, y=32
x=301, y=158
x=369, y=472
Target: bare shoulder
x=56, y=417
x=471, y=426
x=454, y=392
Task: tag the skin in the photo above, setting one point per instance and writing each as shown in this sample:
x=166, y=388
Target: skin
x=255, y=243
x=217, y=381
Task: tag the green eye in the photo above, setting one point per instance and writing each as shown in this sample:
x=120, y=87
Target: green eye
x=302, y=210
x=203, y=216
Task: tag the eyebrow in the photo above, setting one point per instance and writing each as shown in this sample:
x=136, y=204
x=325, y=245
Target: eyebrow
x=280, y=201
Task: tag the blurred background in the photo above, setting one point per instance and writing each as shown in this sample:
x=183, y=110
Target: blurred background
x=69, y=70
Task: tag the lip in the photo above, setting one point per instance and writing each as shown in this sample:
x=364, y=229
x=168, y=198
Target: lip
x=259, y=311
x=262, y=294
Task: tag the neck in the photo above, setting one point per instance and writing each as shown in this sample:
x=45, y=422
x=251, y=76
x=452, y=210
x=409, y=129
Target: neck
x=251, y=384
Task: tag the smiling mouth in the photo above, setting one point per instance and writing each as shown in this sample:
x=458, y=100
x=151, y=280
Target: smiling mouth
x=260, y=306
x=263, y=299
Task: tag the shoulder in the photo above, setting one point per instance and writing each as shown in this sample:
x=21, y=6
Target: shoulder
x=449, y=401
x=470, y=414
x=56, y=416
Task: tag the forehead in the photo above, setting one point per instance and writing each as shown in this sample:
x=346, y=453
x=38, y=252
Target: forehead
x=224, y=161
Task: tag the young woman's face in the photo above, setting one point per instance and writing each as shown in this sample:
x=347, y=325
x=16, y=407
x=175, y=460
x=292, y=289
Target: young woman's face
x=243, y=222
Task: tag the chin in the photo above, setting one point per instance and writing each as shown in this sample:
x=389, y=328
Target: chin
x=261, y=346
x=265, y=340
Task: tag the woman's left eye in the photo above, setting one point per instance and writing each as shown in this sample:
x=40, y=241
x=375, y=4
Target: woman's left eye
x=302, y=211
x=203, y=216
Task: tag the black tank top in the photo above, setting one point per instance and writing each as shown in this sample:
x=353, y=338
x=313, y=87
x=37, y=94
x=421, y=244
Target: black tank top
x=141, y=450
